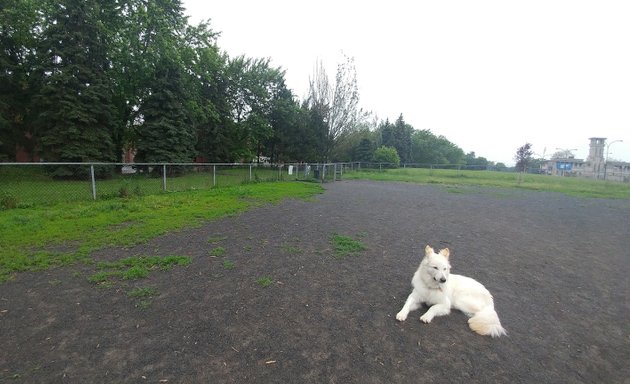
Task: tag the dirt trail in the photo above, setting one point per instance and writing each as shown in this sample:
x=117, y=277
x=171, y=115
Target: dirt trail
x=556, y=265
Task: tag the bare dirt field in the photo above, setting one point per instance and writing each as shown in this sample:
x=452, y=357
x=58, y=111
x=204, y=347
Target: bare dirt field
x=557, y=266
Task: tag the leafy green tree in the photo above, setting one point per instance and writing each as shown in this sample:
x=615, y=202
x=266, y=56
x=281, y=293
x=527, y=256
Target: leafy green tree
x=387, y=155
x=428, y=148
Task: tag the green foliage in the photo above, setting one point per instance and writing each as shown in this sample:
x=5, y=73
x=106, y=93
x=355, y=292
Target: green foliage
x=145, y=292
x=133, y=268
x=8, y=201
x=264, y=281
x=428, y=148
x=227, y=264
x=217, y=252
x=345, y=246
x=387, y=155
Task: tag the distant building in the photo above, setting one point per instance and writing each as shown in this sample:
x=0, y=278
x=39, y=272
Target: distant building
x=594, y=167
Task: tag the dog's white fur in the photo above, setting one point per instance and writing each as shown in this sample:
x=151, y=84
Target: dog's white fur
x=434, y=285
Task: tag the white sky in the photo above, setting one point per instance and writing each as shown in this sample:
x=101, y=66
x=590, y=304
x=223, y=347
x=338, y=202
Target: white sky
x=488, y=75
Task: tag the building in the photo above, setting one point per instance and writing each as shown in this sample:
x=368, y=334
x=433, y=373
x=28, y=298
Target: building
x=595, y=166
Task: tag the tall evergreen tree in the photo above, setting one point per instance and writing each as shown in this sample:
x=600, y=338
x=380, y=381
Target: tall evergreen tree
x=166, y=133
x=20, y=28
x=76, y=114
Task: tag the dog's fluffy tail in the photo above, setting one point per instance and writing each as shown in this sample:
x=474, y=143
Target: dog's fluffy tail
x=486, y=322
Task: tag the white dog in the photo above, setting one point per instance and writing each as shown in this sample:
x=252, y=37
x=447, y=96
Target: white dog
x=433, y=284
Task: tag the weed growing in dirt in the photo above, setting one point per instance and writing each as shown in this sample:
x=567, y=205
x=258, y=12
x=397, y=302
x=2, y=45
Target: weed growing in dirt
x=217, y=252
x=293, y=249
x=264, y=281
x=345, y=246
x=133, y=268
x=142, y=292
x=227, y=264
x=216, y=239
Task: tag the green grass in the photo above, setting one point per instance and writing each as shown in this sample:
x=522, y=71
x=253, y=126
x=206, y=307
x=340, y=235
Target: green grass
x=216, y=239
x=137, y=267
x=346, y=246
x=227, y=264
x=29, y=185
x=264, y=281
x=39, y=237
x=140, y=293
x=572, y=186
x=217, y=252
x=292, y=249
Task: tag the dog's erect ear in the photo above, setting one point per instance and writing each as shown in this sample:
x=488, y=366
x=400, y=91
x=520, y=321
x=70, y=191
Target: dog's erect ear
x=428, y=250
x=445, y=252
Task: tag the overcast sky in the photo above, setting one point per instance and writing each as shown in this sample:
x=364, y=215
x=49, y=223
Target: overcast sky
x=488, y=75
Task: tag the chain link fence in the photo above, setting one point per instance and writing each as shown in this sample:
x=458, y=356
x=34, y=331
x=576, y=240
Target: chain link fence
x=27, y=184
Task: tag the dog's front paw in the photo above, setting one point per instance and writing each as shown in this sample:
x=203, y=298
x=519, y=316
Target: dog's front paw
x=401, y=316
x=426, y=318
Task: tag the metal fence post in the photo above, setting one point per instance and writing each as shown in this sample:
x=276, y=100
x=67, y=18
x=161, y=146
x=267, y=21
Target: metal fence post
x=93, y=181
x=164, y=177
x=250, y=173
x=214, y=175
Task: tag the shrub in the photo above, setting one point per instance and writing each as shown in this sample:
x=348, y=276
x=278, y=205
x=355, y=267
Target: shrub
x=387, y=155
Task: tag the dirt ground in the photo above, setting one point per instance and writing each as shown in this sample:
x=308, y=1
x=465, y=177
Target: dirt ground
x=556, y=265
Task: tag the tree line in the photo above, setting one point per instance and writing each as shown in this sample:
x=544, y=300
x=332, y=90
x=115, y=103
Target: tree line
x=87, y=80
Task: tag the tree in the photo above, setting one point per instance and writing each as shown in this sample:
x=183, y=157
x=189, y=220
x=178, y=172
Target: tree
x=402, y=139
x=428, y=148
x=76, y=115
x=523, y=157
x=166, y=133
x=337, y=103
x=387, y=155
x=20, y=30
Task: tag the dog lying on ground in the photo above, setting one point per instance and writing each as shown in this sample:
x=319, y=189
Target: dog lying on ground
x=434, y=285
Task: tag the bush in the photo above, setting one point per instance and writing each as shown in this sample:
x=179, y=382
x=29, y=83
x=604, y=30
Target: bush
x=387, y=155
x=8, y=201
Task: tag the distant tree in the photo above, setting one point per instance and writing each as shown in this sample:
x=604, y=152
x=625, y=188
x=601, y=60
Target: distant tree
x=387, y=155
x=427, y=148
x=402, y=133
x=337, y=103
x=364, y=152
x=523, y=157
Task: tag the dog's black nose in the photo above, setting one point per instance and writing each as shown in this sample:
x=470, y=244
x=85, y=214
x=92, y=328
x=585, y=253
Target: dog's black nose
x=443, y=280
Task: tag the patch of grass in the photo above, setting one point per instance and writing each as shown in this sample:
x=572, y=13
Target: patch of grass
x=139, y=293
x=217, y=252
x=292, y=249
x=227, y=264
x=264, y=281
x=572, y=186
x=31, y=237
x=133, y=268
x=346, y=246
x=216, y=239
